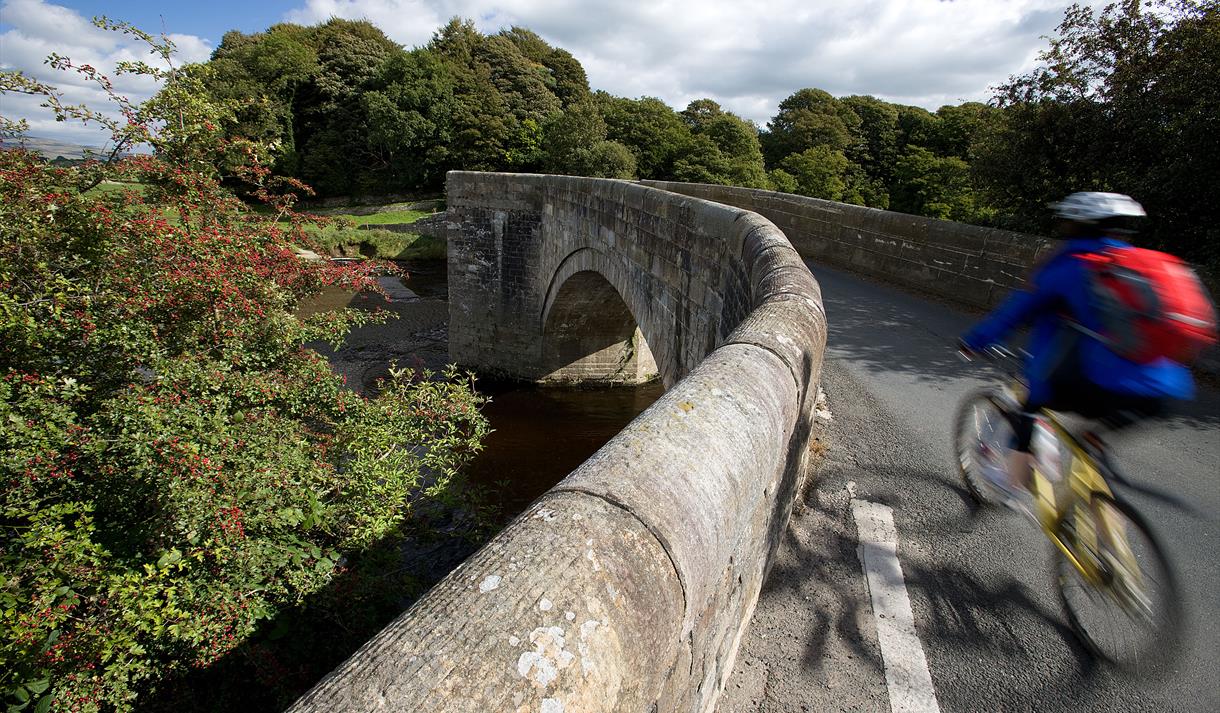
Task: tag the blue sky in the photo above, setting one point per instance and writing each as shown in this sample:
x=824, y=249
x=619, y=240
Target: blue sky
x=209, y=20
x=745, y=56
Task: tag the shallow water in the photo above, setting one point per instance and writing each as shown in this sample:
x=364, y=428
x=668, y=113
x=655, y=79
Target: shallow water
x=422, y=279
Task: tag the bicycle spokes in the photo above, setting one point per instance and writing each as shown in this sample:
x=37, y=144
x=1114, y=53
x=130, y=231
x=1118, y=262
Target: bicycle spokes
x=1116, y=585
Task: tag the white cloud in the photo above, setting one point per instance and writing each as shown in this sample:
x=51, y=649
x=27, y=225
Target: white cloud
x=749, y=56
x=39, y=28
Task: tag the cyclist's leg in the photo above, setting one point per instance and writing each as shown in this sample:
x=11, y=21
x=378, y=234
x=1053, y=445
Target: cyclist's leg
x=1021, y=458
x=1117, y=412
x=1052, y=375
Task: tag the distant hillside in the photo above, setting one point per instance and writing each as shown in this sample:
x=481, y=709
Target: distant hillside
x=52, y=148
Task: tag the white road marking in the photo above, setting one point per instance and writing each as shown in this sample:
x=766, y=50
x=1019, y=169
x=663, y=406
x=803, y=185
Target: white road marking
x=906, y=668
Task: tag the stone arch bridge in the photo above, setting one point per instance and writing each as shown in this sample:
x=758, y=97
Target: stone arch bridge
x=628, y=586
x=552, y=276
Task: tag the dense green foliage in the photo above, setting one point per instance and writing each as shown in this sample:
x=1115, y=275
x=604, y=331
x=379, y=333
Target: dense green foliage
x=351, y=112
x=1127, y=100
x=177, y=469
x=1116, y=104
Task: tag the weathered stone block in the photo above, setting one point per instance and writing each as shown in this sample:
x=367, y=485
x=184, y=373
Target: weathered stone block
x=575, y=603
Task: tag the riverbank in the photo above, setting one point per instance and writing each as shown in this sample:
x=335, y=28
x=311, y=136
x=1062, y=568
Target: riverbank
x=416, y=335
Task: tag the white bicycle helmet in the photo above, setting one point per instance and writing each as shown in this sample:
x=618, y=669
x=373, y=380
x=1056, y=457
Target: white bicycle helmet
x=1092, y=206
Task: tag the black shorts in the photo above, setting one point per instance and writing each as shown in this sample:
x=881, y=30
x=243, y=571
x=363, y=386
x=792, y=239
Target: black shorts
x=1072, y=392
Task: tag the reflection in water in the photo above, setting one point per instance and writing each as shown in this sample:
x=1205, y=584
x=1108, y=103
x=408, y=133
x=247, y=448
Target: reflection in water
x=328, y=300
x=426, y=278
x=542, y=434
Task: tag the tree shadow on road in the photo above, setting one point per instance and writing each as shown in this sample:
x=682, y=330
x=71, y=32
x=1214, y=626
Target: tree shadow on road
x=958, y=610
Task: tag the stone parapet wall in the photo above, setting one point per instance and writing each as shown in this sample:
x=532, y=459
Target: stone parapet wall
x=965, y=263
x=628, y=586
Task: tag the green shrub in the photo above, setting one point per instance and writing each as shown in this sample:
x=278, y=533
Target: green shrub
x=176, y=467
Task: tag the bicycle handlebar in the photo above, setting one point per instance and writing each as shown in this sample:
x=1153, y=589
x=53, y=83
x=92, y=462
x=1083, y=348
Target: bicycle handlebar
x=1010, y=361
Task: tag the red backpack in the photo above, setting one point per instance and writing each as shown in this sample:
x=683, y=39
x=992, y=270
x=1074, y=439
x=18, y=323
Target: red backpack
x=1151, y=305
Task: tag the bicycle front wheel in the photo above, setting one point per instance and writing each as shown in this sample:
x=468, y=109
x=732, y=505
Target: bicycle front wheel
x=982, y=437
x=1120, y=594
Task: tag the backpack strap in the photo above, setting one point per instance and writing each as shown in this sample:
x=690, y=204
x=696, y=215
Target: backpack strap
x=1095, y=263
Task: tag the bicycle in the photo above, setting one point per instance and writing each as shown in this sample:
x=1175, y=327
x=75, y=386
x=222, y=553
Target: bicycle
x=1106, y=555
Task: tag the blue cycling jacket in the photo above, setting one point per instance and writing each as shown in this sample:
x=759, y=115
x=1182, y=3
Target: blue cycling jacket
x=1058, y=294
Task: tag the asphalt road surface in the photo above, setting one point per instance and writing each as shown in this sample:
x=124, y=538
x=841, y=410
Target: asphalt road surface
x=979, y=582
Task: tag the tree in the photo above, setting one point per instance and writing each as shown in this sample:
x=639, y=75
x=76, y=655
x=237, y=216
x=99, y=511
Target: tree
x=916, y=126
x=530, y=83
x=699, y=114
x=818, y=172
x=701, y=162
x=610, y=159
x=571, y=82
x=713, y=145
x=782, y=181
x=410, y=108
x=523, y=86
x=332, y=124
x=958, y=127
x=564, y=75
x=935, y=186
x=299, y=89
x=655, y=133
x=482, y=125
x=1116, y=103
x=1184, y=179
x=262, y=75
x=458, y=41
x=807, y=119
x=737, y=140
x=575, y=144
x=1035, y=153
x=720, y=147
x=519, y=79
x=874, y=148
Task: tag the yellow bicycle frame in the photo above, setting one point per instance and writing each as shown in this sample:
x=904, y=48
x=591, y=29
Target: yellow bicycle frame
x=1076, y=493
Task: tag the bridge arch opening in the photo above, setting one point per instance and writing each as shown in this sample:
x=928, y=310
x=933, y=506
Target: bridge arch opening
x=590, y=335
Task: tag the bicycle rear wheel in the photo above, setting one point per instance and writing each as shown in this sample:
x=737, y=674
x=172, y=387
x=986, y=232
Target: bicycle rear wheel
x=1122, y=599
x=982, y=435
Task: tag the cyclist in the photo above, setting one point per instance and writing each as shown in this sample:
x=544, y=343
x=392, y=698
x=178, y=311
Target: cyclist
x=1071, y=368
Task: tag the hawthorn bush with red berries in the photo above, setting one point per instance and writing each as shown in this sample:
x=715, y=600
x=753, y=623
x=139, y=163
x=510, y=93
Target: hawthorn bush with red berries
x=177, y=467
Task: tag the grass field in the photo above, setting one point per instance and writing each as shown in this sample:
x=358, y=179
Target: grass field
x=344, y=236
x=346, y=241
x=106, y=187
x=388, y=217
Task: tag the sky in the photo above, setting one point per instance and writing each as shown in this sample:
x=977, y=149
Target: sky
x=746, y=56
